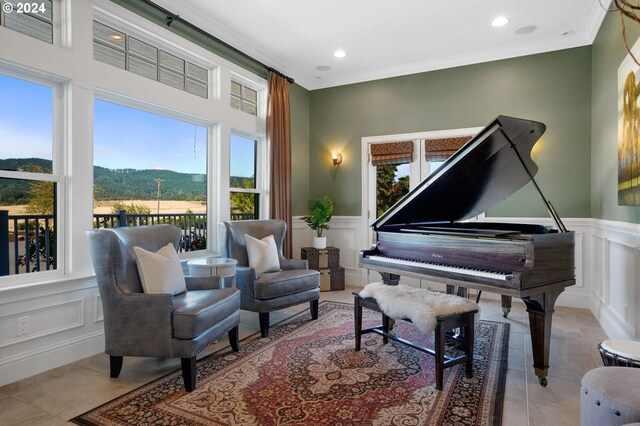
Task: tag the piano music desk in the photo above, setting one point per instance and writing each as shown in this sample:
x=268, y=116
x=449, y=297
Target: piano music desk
x=464, y=320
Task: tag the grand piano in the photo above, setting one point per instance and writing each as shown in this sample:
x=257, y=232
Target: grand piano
x=429, y=233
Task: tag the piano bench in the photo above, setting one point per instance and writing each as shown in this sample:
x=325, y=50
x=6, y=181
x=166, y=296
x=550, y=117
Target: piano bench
x=464, y=321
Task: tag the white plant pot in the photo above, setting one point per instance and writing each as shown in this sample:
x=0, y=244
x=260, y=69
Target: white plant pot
x=320, y=242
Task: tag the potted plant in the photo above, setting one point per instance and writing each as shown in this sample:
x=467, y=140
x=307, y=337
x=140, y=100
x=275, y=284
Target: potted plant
x=320, y=214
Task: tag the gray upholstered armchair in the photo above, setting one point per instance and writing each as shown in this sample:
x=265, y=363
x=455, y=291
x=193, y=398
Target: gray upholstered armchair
x=159, y=325
x=271, y=291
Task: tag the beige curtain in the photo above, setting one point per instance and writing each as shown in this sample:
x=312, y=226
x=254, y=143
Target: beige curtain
x=279, y=136
x=441, y=149
x=391, y=153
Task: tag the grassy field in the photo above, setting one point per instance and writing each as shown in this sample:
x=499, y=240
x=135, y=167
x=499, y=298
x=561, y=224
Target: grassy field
x=13, y=210
x=168, y=206
x=105, y=207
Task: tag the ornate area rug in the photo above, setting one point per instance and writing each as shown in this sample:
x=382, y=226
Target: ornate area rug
x=308, y=373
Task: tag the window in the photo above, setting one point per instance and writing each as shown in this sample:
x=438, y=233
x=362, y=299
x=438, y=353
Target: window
x=34, y=19
x=150, y=168
x=29, y=183
x=243, y=184
x=127, y=52
x=244, y=98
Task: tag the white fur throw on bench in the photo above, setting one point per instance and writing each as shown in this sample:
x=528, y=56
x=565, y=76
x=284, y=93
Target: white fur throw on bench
x=419, y=305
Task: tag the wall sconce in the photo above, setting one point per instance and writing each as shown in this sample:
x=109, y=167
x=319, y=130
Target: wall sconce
x=337, y=158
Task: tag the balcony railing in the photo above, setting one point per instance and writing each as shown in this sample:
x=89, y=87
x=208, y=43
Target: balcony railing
x=28, y=242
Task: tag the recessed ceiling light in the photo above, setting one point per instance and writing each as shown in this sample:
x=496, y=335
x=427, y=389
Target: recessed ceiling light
x=500, y=21
x=323, y=68
x=339, y=53
x=116, y=37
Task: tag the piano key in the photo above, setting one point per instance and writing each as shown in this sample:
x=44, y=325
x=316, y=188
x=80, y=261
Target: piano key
x=440, y=267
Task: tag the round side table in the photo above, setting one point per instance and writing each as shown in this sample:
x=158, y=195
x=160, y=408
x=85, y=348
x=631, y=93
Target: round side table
x=221, y=267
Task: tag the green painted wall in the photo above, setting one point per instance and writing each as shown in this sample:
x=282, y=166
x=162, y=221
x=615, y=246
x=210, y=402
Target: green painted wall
x=608, y=53
x=554, y=88
x=574, y=92
x=299, y=105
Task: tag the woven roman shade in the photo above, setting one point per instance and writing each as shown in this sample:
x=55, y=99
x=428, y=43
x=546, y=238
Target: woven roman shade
x=391, y=153
x=441, y=149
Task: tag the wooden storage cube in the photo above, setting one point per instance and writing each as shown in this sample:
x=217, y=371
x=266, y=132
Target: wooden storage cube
x=332, y=279
x=327, y=262
x=337, y=278
x=321, y=258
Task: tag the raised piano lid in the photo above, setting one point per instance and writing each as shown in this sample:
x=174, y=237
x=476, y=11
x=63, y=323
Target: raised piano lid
x=482, y=173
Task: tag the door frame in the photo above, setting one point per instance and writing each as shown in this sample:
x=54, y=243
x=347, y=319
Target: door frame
x=366, y=171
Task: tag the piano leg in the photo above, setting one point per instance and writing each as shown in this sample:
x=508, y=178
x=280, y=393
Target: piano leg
x=540, y=309
x=390, y=279
x=506, y=305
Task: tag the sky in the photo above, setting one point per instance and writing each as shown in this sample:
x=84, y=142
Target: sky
x=26, y=119
x=123, y=137
x=128, y=138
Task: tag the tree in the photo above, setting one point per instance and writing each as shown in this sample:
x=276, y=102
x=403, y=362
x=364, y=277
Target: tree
x=243, y=202
x=40, y=199
x=389, y=189
x=131, y=208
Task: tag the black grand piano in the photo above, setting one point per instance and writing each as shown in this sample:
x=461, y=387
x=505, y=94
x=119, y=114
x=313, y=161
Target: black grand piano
x=427, y=233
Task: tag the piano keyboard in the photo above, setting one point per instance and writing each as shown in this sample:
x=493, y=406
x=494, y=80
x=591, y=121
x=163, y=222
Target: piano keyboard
x=439, y=267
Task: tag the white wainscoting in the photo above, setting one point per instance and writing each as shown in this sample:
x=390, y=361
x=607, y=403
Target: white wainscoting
x=66, y=319
x=607, y=261
x=615, y=277
x=62, y=327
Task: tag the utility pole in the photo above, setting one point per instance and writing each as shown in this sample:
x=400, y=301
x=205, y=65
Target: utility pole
x=159, y=181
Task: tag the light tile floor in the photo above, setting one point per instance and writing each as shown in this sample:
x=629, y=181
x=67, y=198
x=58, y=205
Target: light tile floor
x=53, y=397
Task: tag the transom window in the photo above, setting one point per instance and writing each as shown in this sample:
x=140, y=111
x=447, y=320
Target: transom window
x=34, y=19
x=244, y=98
x=127, y=52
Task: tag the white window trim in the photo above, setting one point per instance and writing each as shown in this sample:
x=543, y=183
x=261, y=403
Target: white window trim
x=154, y=40
x=57, y=175
x=81, y=77
x=212, y=146
x=262, y=175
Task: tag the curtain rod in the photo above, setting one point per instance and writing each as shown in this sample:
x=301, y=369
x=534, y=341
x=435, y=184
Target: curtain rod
x=276, y=72
x=172, y=17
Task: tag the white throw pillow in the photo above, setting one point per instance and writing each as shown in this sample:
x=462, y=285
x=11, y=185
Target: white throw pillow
x=263, y=254
x=160, y=272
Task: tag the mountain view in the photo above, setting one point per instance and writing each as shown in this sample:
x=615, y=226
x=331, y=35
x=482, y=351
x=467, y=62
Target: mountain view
x=122, y=184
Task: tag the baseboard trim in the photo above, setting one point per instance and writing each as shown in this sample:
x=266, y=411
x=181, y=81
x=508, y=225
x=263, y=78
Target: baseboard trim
x=25, y=364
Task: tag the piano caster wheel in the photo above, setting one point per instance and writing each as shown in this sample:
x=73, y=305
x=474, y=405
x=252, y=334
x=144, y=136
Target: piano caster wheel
x=543, y=381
